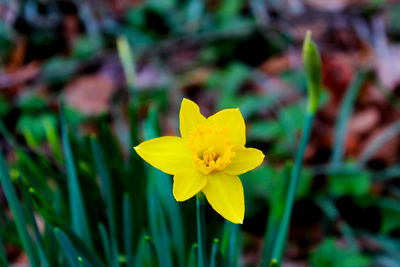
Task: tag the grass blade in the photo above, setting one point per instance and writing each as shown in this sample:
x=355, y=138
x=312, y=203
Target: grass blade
x=3, y=258
x=275, y=215
x=137, y=186
x=45, y=209
x=106, y=189
x=146, y=254
x=18, y=212
x=128, y=226
x=77, y=208
x=163, y=188
x=156, y=212
x=50, y=242
x=192, y=260
x=158, y=227
x=29, y=168
x=67, y=248
x=106, y=242
x=200, y=206
x=31, y=218
x=230, y=244
x=174, y=216
x=53, y=138
x=73, y=249
x=214, y=253
x=346, y=110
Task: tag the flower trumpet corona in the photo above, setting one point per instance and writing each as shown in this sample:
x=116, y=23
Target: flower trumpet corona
x=208, y=157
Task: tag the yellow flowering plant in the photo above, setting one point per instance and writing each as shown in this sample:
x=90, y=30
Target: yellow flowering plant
x=208, y=157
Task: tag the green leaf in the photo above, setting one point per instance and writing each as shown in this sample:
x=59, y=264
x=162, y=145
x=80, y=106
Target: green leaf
x=163, y=188
x=106, y=244
x=18, y=212
x=50, y=128
x=106, y=188
x=161, y=201
x=230, y=244
x=273, y=263
x=3, y=257
x=32, y=172
x=277, y=204
x=67, y=248
x=128, y=228
x=228, y=11
x=31, y=219
x=85, y=47
x=214, y=253
x=355, y=184
x=329, y=254
x=345, y=112
x=192, y=259
x=146, y=254
x=77, y=206
x=45, y=209
x=158, y=227
x=73, y=247
x=50, y=243
x=390, y=209
x=265, y=130
x=58, y=70
x=252, y=104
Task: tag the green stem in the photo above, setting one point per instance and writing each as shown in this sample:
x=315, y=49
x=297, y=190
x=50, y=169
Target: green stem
x=200, y=229
x=294, y=180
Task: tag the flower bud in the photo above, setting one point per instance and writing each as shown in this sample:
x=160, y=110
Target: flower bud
x=312, y=66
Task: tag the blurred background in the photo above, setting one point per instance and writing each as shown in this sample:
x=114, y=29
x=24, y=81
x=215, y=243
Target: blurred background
x=220, y=54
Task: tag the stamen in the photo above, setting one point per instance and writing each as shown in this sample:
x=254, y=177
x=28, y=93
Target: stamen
x=211, y=148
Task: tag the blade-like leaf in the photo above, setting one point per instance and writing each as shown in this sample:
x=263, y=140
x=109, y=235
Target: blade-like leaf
x=128, y=226
x=163, y=188
x=77, y=206
x=67, y=248
x=345, y=112
x=3, y=258
x=18, y=212
x=214, y=253
x=192, y=260
x=105, y=186
x=277, y=204
x=31, y=218
x=106, y=243
x=146, y=254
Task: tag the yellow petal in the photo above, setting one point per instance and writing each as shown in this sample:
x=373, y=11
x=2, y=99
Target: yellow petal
x=233, y=120
x=245, y=159
x=168, y=154
x=188, y=183
x=225, y=194
x=189, y=117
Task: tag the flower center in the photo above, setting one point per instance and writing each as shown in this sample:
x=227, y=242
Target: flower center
x=211, y=148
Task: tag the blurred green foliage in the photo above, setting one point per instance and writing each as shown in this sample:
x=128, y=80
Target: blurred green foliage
x=101, y=205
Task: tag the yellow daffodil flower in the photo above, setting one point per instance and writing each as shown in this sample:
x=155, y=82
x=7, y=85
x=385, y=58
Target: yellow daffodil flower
x=208, y=157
